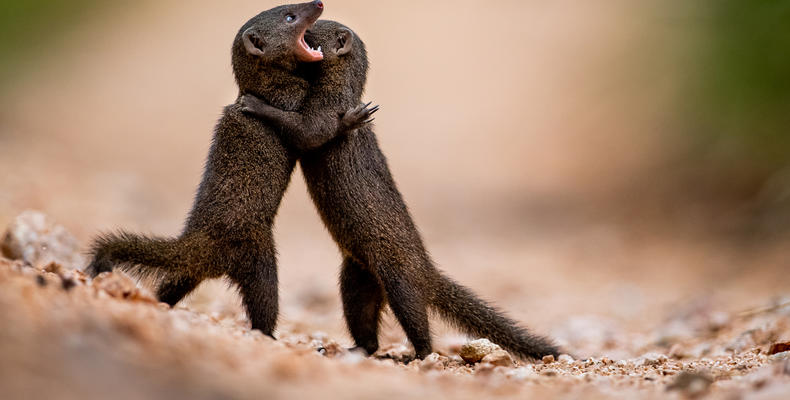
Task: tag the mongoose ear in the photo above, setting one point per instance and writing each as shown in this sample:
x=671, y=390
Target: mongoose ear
x=343, y=42
x=253, y=42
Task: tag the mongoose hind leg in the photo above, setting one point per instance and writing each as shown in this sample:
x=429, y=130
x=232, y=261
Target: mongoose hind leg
x=410, y=308
x=254, y=270
x=174, y=287
x=363, y=300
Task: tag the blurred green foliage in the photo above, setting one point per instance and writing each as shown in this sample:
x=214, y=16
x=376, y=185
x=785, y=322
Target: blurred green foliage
x=27, y=26
x=744, y=93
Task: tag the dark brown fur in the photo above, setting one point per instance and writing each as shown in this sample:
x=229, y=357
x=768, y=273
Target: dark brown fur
x=229, y=230
x=359, y=202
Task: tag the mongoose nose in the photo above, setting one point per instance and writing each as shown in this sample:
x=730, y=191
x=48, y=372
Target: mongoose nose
x=319, y=4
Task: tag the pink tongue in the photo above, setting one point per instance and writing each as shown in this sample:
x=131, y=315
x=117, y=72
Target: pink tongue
x=314, y=54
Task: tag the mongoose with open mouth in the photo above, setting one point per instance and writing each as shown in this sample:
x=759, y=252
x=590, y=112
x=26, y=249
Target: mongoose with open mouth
x=229, y=229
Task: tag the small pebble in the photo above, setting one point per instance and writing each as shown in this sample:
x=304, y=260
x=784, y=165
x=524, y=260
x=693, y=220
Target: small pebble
x=434, y=362
x=565, y=358
x=34, y=238
x=499, y=358
x=474, y=351
x=651, y=359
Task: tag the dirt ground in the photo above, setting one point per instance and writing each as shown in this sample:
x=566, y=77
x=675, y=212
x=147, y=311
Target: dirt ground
x=512, y=149
x=66, y=337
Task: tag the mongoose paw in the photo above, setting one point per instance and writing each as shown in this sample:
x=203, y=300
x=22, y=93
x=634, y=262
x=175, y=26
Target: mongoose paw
x=405, y=359
x=402, y=358
x=359, y=116
x=251, y=104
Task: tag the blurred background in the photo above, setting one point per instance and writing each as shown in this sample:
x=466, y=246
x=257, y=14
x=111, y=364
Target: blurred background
x=563, y=158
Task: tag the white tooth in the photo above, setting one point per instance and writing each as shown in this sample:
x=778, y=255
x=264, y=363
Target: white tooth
x=319, y=48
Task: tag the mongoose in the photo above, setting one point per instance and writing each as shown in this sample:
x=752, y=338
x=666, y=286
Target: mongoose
x=229, y=230
x=356, y=196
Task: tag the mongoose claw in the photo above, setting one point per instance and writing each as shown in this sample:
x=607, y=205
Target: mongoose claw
x=359, y=116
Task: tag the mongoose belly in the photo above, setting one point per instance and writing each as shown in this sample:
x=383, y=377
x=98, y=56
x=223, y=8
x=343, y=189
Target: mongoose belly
x=358, y=200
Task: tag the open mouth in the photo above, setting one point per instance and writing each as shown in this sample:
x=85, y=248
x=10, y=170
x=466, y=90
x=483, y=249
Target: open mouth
x=306, y=53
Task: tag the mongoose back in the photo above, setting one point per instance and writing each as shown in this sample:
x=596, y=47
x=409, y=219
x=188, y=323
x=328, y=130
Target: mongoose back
x=351, y=185
x=229, y=229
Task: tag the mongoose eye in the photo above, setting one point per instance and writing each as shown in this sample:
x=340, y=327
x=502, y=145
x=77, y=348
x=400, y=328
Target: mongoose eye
x=290, y=18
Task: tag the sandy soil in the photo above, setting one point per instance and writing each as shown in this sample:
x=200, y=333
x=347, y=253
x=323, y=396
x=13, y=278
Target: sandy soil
x=512, y=143
x=66, y=337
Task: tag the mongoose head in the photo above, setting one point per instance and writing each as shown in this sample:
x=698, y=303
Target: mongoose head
x=274, y=40
x=344, y=52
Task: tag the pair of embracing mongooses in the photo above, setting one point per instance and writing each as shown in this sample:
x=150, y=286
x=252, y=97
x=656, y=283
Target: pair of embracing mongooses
x=293, y=107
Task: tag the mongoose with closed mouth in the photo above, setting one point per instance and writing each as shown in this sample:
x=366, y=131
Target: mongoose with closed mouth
x=229, y=229
x=352, y=187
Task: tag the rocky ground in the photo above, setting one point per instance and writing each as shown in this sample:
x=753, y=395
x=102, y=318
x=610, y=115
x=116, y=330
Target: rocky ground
x=65, y=336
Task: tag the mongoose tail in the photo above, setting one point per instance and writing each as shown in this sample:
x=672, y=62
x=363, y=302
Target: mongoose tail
x=466, y=311
x=171, y=262
x=140, y=255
